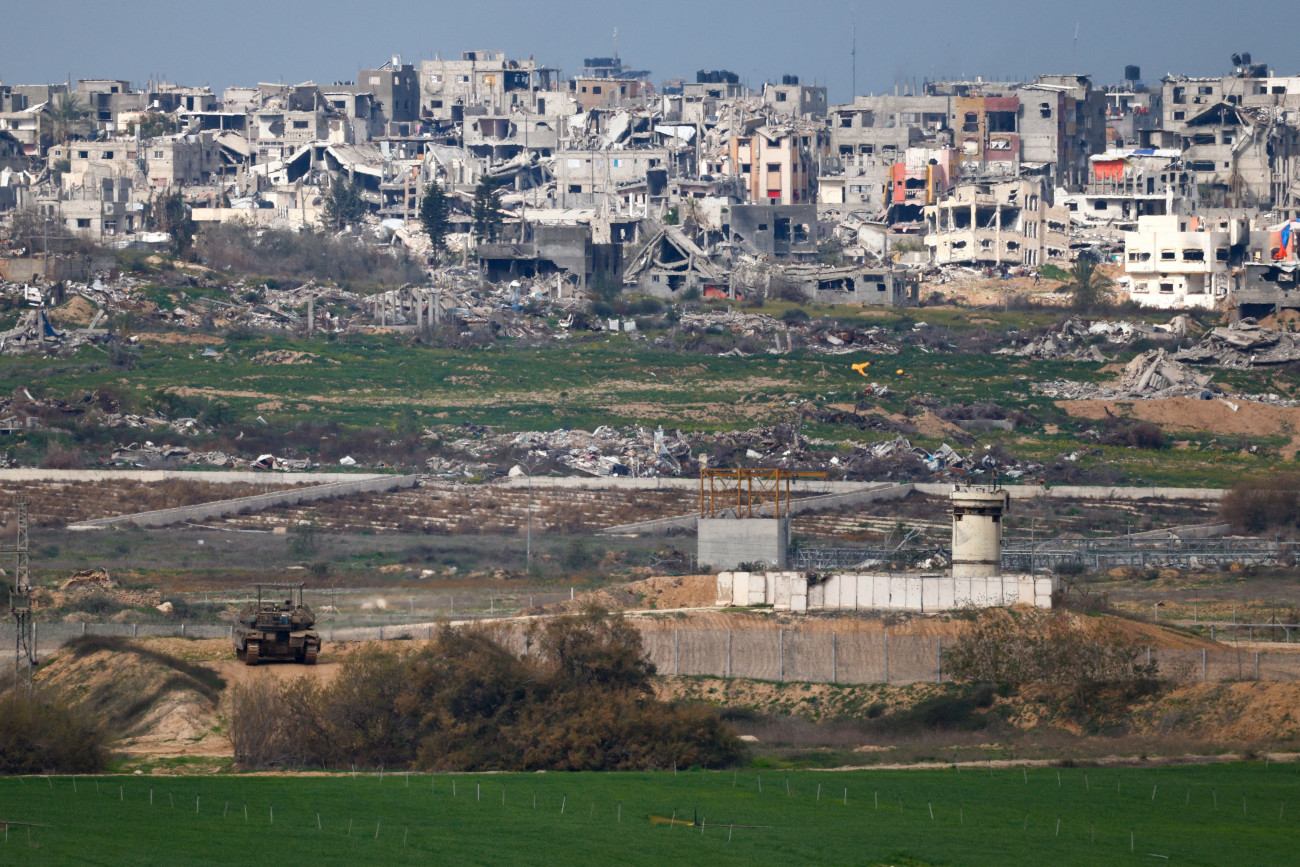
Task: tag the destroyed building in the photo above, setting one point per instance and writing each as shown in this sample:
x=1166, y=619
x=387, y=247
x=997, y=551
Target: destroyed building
x=999, y=223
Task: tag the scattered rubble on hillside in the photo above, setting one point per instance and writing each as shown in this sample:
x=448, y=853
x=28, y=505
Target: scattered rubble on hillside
x=1243, y=344
x=1066, y=342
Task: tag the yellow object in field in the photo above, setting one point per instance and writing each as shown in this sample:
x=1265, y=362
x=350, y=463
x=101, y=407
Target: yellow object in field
x=899, y=371
x=861, y=367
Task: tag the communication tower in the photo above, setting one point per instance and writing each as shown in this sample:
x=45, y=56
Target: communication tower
x=20, y=603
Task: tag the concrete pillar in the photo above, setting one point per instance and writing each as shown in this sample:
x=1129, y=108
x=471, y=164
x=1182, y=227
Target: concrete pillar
x=311, y=314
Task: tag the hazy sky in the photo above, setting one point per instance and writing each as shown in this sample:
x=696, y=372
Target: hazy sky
x=245, y=41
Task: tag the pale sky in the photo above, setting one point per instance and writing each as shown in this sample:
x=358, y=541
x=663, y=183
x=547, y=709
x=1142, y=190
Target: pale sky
x=245, y=41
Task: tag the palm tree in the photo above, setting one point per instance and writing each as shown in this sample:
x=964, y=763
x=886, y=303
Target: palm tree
x=1089, y=288
x=67, y=114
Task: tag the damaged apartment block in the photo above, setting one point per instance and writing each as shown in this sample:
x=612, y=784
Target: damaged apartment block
x=998, y=223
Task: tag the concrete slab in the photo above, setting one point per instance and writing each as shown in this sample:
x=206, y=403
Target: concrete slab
x=880, y=592
x=817, y=594
x=911, y=593
x=726, y=595
x=758, y=584
x=930, y=592
x=947, y=593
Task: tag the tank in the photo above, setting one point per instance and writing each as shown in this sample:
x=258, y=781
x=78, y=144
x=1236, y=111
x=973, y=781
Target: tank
x=277, y=628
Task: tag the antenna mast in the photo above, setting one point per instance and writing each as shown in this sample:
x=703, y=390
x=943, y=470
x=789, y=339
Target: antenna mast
x=853, y=53
x=20, y=603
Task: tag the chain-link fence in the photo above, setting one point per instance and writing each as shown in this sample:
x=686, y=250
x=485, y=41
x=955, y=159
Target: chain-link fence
x=759, y=654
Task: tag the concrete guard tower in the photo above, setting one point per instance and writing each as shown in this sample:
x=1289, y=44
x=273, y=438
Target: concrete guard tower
x=977, y=530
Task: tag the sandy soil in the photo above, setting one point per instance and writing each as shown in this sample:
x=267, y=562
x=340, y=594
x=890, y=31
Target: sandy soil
x=1184, y=413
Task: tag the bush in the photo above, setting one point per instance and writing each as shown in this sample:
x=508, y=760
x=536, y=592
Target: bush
x=1262, y=504
x=580, y=699
x=281, y=253
x=45, y=736
x=1054, y=649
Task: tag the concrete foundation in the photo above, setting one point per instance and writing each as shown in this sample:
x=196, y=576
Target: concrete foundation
x=726, y=543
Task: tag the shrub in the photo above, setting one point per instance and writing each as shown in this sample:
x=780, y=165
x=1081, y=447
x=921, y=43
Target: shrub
x=48, y=736
x=579, y=700
x=1261, y=504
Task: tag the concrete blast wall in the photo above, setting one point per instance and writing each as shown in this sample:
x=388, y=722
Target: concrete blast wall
x=725, y=543
x=255, y=503
x=856, y=591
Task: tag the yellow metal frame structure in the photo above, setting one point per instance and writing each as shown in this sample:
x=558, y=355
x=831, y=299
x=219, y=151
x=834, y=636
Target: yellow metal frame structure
x=745, y=492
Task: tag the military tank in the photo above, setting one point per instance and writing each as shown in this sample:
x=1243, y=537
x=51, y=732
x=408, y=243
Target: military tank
x=276, y=629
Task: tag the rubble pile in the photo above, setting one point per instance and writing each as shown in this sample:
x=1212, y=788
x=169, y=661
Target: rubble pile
x=1243, y=345
x=1151, y=375
x=91, y=583
x=1064, y=343
x=731, y=320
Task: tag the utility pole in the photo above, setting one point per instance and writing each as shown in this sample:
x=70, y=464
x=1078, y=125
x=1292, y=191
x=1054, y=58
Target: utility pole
x=20, y=603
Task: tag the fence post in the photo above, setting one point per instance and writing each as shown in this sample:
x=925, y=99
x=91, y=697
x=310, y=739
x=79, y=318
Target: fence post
x=834, y=673
x=677, y=653
x=83, y=627
x=780, y=655
x=938, y=659
x=886, y=657
x=182, y=630
x=728, y=653
x=135, y=629
x=230, y=631
x=1202, y=665
x=1257, y=666
x=1148, y=655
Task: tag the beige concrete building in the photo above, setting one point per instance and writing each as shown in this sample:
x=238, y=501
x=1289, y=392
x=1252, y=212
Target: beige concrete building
x=1000, y=224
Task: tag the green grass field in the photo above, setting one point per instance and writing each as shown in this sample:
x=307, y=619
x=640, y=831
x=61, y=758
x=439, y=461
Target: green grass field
x=1192, y=815
x=594, y=380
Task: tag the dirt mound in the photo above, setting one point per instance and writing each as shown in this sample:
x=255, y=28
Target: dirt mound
x=154, y=702
x=1241, y=712
x=1182, y=413
x=93, y=582
x=78, y=311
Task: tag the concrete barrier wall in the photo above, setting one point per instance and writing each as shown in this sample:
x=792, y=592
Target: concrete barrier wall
x=763, y=654
x=1088, y=492
x=874, y=492
x=246, y=477
x=255, y=503
x=849, y=591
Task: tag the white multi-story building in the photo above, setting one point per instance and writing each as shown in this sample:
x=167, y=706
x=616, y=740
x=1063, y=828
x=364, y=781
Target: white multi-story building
x=1174, y=261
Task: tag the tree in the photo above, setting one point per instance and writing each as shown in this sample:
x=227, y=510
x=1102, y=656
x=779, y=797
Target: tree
x=154, y=124
x=487, y=210
x=343, y=203
x=433, y=216
x=67, y=115
x=1089, y=288
x=172, y=215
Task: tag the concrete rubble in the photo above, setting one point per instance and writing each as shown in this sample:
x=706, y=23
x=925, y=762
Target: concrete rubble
x=1242, y=345
x=1076, y=338
x=1149, y=376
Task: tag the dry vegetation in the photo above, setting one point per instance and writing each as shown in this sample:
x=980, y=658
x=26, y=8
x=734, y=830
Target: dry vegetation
x=57, y=504
x=487, y=510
